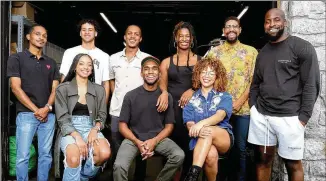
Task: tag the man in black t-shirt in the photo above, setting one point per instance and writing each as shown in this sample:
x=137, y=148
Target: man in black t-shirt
x=34, y=78
x=145, y=129
x=283, y=92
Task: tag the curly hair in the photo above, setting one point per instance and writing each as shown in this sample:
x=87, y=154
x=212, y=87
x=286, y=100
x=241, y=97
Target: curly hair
x=220, y=72
x=89, y=21
x=232, y=18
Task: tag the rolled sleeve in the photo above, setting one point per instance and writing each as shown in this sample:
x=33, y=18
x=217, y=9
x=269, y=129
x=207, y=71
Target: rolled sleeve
x=61, y=112
x=226, y=105
x=188, y=113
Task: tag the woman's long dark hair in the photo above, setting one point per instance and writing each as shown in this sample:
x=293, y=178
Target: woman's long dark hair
x=72, y=74
x=193, y=48
x=178, y=27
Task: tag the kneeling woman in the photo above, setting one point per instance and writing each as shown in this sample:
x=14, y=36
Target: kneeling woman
x=207, y=118
x=81, y=113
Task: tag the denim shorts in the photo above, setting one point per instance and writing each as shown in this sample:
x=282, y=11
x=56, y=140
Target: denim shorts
x=83, y=124
x=231, y=140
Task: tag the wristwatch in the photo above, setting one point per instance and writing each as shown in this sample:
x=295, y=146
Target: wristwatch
x=49, y=106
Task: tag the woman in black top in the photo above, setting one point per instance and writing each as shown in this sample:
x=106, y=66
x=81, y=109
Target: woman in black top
x=176, y=78
x=81, y=113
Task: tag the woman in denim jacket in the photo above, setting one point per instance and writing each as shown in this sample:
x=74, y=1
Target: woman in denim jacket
x=81, y=113
x=207, y=118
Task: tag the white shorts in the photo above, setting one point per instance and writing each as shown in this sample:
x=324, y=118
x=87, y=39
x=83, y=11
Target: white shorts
x=268, y=130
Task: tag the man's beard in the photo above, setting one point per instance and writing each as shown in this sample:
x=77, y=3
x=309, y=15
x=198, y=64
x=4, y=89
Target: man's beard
x=150, y=83
x=276, y=37
x=232, y=41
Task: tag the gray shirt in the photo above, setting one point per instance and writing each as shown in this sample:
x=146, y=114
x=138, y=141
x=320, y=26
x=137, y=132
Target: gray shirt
x=66, y=99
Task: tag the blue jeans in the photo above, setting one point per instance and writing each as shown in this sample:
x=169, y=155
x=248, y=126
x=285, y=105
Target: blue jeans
x=86, y=169
x=27, y=125
x=238, y=156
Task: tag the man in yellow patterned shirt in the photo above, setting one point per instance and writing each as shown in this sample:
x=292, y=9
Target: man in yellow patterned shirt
x=239, y=61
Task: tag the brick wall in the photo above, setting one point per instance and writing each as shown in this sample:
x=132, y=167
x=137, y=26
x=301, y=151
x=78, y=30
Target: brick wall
x=307, y=20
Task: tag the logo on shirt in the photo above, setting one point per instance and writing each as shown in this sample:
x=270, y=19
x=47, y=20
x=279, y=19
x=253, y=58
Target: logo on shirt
x=284, y=61
x=294, y=148
x=48, y=66
x=97, y=63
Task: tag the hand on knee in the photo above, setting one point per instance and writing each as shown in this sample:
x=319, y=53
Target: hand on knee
x=205, y=132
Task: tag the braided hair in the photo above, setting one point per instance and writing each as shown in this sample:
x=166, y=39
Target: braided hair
x=193, y=48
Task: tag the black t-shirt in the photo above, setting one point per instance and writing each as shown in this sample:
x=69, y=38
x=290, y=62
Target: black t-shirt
x=139, y=111
x=36, y=77
x=286, y=79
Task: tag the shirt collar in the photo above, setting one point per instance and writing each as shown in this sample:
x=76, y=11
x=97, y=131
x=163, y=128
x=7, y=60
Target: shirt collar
x=138, y=53
x=199, y=93
x=74, y=91
x=236, y=45
x=29, y=54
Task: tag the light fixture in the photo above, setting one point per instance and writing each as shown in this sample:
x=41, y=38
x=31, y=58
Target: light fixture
x=241, y=14
x=108, y=22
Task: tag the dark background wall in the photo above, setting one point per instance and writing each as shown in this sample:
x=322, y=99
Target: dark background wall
x=157, y=20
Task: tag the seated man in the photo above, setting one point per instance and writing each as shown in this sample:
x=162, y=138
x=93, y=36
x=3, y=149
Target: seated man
x=145, y=129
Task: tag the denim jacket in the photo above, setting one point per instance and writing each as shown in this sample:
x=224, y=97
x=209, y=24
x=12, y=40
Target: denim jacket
x=66, y=99
x=200, y=108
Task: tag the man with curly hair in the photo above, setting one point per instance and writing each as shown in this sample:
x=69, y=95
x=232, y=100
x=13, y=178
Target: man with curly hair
x=89, y=30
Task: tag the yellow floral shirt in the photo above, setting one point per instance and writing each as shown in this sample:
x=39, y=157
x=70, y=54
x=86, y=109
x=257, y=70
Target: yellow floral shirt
x=239, y=61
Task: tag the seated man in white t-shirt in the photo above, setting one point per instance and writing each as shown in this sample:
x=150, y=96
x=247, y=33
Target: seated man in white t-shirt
x=88, y=32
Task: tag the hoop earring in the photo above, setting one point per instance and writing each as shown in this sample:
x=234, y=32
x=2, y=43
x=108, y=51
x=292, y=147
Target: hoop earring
x=175, y=44
x=192, y=45
x=74, y=71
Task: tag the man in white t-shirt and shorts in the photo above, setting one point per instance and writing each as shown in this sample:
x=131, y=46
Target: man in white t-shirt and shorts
x=88, y=32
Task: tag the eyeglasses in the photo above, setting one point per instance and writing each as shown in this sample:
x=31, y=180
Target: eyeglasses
x=210, y=74
x=231, y=26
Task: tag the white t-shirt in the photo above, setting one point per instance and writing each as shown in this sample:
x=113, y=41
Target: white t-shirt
x=100, y=59
x=127, y=77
